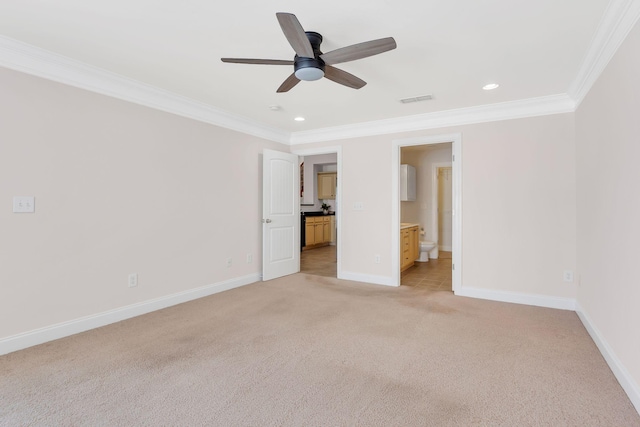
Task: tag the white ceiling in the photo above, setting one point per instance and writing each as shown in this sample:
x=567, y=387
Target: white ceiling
x=449, y=49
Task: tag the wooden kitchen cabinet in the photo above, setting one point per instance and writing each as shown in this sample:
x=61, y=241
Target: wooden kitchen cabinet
x=326, y=230
x=310, y=232
x=327, y=183
x=317, y=231
x=409, y=247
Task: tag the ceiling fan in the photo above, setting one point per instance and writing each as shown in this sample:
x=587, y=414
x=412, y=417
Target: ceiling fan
x=310, y=63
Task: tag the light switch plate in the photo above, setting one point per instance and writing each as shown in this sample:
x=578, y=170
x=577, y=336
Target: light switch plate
x=24, y=204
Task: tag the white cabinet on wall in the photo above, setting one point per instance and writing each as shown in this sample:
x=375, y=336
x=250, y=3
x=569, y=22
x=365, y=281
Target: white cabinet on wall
x=407, y=183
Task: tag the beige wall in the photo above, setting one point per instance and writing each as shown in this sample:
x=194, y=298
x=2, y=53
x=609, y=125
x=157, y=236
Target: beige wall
x=518, y=204
x=119, y=189
x=608, y=155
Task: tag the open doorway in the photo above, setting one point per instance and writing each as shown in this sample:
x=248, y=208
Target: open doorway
x=428, y=215
x=432, y=158
x=320, y=213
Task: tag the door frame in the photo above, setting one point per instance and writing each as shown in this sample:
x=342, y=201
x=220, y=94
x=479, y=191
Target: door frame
x=456, y=149
x=435, y=197
x=337, y=150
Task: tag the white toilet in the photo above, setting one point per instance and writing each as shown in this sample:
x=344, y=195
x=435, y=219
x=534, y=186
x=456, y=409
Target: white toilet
x=425, y=248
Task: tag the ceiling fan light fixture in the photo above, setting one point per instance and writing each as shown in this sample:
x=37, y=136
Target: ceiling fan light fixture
x=309, y=63
x=309, y=74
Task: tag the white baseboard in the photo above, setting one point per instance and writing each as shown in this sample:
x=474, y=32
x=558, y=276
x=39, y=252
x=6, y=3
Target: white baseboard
x=71, y=327
x=367, y=278
x=445, y=248
x=518, y=298
x=622, y=375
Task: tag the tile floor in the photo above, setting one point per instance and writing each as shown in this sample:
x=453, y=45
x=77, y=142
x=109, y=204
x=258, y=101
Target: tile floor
x=434, y=275
x=320, y=261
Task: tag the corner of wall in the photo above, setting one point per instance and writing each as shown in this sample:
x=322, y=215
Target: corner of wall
x=621, y=373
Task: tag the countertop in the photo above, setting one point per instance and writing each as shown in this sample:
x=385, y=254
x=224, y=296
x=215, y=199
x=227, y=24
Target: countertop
x=404, y=225
x=316, y=213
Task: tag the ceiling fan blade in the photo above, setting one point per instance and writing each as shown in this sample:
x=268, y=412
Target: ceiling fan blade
x=257, y=61
x=294, y=33
x=342, y=77
x=291, y=81
x=358, y=51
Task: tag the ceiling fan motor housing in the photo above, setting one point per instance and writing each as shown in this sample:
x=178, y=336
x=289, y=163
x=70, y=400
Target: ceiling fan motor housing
x=310, y=69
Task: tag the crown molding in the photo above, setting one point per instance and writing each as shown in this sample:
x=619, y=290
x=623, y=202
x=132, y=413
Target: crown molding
x=32, y=60
x=553, y=104
x=616, y=23
x=619, y=18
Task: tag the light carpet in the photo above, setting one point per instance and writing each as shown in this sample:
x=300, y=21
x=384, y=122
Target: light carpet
x=314, y=351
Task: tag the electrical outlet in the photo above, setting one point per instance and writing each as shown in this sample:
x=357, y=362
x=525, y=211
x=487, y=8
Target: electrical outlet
x=133, y=280
x=249, y=258
x=376, y=259
x=567, y=276
x=358, y=206
x=229, y=262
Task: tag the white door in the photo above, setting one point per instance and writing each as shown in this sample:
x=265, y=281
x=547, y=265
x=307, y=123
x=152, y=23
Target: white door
x=445, y=220
x=280, y=214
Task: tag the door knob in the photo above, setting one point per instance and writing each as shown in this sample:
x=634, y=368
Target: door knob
x=266, y=220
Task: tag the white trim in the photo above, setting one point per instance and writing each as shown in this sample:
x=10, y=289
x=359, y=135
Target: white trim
x=39, y=62
x=456, y=250
x=621, y=373
x=618, y=19
x=532, y=107
x=435, y=204
x=32, y=60
x=338, y=201
x=395, y=213
x=518, y=298
x=75, y=326
x=456, y=149
x=368, y=278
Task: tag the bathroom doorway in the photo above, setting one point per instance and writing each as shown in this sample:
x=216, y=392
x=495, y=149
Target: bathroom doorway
x=435, y=210
x=431, y=211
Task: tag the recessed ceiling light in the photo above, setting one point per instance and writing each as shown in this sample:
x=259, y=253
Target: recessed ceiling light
x=299, y=119
x=490, y=86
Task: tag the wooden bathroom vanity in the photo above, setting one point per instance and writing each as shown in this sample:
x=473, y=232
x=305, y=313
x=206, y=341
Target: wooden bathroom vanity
x=409, y=245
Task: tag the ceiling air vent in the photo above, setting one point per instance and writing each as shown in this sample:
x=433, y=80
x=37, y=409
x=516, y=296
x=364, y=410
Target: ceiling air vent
x=416, y=99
